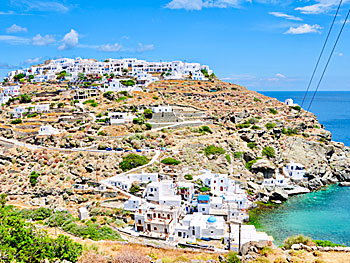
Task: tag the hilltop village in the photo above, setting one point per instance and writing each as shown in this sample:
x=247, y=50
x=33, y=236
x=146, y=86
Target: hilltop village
x=157, y=153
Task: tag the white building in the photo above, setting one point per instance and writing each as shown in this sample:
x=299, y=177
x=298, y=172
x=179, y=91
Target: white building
x=280, y=181
x=125, y=182
x=219, y=184
x=157, y=220
x=163, y=193
x=185, y=190
x=198, y=225
x=289, y=102
x=118, y=67
x=48, y=130
x=83, y=213
x=133, y=204
x=12, y=91
x=42, y=107
x=18, y=111
x=295, y=171
x=162, y=109
x=120, y=117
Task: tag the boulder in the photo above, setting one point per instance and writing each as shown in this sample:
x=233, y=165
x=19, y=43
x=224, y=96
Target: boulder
x=279, y=194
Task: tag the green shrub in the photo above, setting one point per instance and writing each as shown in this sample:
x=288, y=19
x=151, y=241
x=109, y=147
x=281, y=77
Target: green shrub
x=25, y=98
x=134, y=189
x=128, y=82
x=255, y=127
x=228, y=158
x=273, y=111
x=262, y=260
x=205, y=129
x=148, y=113
x=237, y=155
x=213, y=150
x=16, y=121
x=148, y=126
x=243, y=126
x=132, y=161
x=32, y=115
x=170, y=161
x=265, y=251
x=121, y=99
x=257, y=100
x=33, y=178
x=300, y=239
x=249, y=164
x=204, y=189
x=280, y=260
x=251, y=145
x=22, y=242
x=289, y=131
x=188, y=177
x=298, y=108
x=155, y=98
x=231, y=257
x=270, y=125
x=326, y=243
x=269, y=152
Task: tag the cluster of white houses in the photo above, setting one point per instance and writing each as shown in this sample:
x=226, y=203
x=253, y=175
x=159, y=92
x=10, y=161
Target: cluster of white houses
x=144, y=72
x=173, y=211
x=7, y=92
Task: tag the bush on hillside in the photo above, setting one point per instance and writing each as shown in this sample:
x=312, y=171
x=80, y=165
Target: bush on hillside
x=299, y=239
x=213, y=150
x=269, y=152
x=170, y=161
x=132, y=161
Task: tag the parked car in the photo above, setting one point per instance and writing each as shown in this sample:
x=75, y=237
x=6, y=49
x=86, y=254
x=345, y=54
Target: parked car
x=138, y=150
x=118, y=149
x=109, y=149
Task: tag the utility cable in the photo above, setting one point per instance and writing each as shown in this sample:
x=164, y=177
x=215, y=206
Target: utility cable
x=329, y=59
x=319, y=58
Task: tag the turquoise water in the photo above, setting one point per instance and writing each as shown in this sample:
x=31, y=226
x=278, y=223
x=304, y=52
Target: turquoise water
x=325, y=214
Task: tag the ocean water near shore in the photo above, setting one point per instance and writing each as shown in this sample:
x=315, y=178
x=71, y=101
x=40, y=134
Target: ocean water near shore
x=324, y=214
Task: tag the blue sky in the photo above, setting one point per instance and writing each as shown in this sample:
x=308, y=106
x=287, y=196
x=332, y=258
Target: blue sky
x=262, y=44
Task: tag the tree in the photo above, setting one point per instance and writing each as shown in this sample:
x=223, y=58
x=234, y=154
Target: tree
x=19, y=77
x=132, y=161
x=148, y=113
x=170, y=161
x=81, y=76
x=31, y=76
x=3, y=200
x=25, y=98
x=128, y=83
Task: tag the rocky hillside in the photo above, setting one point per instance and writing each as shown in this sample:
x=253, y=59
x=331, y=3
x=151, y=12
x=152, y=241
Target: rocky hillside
x=244, y=134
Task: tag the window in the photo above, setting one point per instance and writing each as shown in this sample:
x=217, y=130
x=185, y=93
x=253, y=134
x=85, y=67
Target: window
x=193, y=232
x=179, y=234
x=140, y=221
x=155, y=228
x=203, y=209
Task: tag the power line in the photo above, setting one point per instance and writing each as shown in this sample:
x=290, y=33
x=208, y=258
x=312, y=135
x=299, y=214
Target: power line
x=329, y=59
x=319, y=58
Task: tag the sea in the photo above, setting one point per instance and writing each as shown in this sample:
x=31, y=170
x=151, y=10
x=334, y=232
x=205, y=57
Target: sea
x=322, y=215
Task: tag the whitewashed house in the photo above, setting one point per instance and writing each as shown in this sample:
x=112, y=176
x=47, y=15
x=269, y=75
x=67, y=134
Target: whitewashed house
x=185, y=190
x=119, y=118
x=219, y=184
x=83, y=213
x=145, y=79
x=18, y=111
x=295, y=171
x=157, y=220
x=12, y=91
x=163, y=193
x=280, y=181
x=198, y=225
x=42, y=107
x=47, y=130
x=162, y=109
x=133, y=204
x=289, y=102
